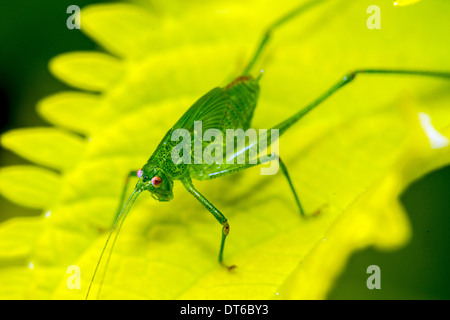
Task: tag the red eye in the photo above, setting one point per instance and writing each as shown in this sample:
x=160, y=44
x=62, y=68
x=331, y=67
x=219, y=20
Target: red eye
x=156, y=181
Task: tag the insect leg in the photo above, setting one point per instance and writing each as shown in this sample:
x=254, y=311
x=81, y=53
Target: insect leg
x=283, y=126
x=261, y=160
x=215, y=212
x=290, y=15
x=286, y=174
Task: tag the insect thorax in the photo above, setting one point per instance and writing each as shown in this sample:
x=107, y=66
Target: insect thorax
x=161, y=158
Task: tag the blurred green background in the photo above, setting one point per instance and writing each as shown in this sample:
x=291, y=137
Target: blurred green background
x=32, y=32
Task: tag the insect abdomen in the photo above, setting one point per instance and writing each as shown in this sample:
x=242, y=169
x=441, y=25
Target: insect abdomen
x=243, y=92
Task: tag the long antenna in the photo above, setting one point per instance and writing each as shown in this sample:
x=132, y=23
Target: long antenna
x=126, y=209
x=290, y=15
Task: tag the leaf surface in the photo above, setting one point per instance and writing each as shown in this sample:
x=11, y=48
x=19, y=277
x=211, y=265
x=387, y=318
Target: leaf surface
x=349, y=159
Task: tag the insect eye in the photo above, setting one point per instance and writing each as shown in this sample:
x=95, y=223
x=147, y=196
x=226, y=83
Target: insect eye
x=139, y=173
x=156, y=181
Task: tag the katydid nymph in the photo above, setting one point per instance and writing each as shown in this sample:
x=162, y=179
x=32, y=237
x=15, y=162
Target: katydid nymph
x=223, y=108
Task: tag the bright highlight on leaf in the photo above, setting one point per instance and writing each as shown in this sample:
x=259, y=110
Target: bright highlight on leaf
x=351, y=158
x=401, y=3
x=437, y=140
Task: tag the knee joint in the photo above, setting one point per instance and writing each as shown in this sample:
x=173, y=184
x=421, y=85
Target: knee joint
x=226, y=228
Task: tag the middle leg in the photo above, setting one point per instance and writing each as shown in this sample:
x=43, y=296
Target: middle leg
x=262, y=160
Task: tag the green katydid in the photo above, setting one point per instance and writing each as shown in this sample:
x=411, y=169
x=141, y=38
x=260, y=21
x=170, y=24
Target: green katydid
x=222, y=108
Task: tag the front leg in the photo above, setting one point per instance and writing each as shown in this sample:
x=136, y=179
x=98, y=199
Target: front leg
x=215, y=212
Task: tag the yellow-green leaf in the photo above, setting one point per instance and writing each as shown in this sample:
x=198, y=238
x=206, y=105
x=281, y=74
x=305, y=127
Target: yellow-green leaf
x=13, y=280
x=30, y=186
x=17, y=237
x=71, y=109
x=51, y=147
x=75, y=69
x=122, y=29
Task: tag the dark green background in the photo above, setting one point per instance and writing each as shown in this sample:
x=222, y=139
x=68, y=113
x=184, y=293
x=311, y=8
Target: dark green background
x=32, y=32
